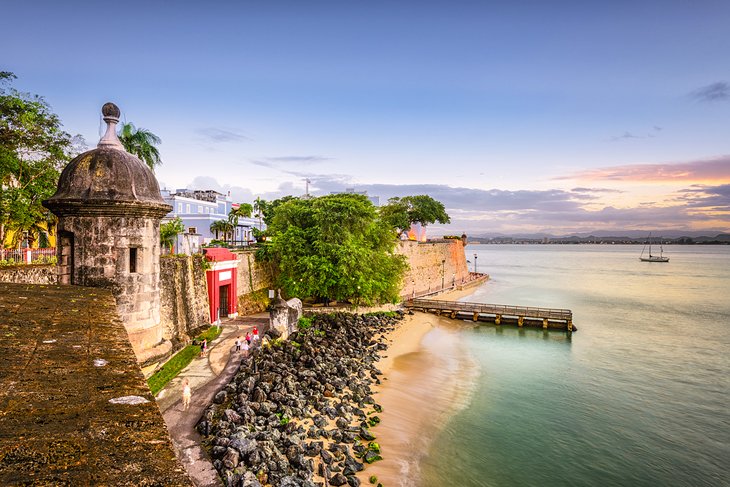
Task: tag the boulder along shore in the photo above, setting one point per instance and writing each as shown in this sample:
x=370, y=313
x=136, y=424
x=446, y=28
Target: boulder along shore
x=300, y=412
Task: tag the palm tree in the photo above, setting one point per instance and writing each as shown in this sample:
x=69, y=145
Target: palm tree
x=141, y=143
x=169, y=232
x=259, y=205
x=221, y=226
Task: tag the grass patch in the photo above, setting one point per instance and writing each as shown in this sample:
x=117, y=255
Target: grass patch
x=179, y=361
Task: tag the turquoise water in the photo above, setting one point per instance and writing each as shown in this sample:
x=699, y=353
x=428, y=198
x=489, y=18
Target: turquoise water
x=639, y=396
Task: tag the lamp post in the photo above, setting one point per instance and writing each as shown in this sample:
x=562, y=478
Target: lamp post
x=453, y=280
x=475, y=263
x=443, y=269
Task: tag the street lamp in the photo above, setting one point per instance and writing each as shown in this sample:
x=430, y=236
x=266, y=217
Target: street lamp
x=443, y=269
x=475, y=263
x=453, y=280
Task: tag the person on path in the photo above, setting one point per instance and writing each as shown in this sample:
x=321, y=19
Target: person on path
x=238, y=344
x=186, y=394
x=245, y=348
x=255, y=333
x=203, y=347
x=248, y=338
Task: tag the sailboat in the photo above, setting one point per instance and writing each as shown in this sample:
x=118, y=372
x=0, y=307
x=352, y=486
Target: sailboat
x=653, y=258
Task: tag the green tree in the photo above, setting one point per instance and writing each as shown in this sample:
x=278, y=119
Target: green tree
x=334, y=247
x=141, y=143
x=33, y=149
x=223, y=227
x=259, y=205
x=169, y=232
x=400, y=213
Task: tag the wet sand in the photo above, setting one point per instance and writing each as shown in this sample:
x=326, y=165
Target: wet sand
x=428, y=377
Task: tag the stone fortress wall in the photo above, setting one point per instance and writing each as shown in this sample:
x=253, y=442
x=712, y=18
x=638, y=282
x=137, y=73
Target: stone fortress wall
x=29, y=274
x=254, y=281
x=183, y=297
x=431, y=260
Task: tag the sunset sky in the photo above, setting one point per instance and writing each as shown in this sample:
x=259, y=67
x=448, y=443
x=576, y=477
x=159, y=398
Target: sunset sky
x=522, y=117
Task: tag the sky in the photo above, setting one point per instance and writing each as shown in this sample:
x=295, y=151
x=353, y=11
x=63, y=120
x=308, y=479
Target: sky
x=564, y=117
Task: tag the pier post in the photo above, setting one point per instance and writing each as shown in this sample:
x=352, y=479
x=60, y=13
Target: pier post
x=497, y=319
x=476, y=316
x=570, y=325
x=453, y=315
x=544, y=323
x=520, y=321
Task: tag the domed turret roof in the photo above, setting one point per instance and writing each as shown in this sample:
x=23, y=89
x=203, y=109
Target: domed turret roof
x=107, y=178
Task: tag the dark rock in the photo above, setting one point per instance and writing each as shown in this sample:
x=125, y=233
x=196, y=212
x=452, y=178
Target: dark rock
x=353, y=481
x=231, y=458
x=221, y=397
x=338, y=479
x=366, y=435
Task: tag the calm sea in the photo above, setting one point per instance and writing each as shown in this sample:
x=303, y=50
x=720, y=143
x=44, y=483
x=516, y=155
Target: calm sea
x=639, y=396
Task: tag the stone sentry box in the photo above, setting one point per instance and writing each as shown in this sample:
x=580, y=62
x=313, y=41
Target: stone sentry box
x=109, y=208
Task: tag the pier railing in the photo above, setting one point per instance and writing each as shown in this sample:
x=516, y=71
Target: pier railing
x=563, y=318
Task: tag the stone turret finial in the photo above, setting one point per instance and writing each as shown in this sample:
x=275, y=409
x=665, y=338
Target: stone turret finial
x=111, y=114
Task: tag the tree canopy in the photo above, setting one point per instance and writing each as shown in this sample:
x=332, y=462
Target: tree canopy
x=33, y=149
x=400, y=213
x=169, y=232
x=333, y=247
x=141, y=143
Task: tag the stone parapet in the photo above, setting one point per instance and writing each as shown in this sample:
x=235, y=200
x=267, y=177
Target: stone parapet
x=76, y=409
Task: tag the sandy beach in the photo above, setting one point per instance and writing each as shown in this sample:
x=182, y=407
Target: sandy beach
x=428, y=376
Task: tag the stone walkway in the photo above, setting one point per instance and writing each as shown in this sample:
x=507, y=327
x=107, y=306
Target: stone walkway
x=207, y=375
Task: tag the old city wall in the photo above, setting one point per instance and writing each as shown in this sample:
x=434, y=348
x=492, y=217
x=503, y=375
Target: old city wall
x=254, y=281
x=429, y=262
x=77, y=410
x=29, y=274
x=183, y=297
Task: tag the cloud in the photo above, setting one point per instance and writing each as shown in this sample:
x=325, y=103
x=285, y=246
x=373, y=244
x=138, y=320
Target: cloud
x=701, y=170
x=215, y=134
x=626, y=135
x=554, y=211
x=714, y=92
x=629, y=135
x=715, y=198
x=283, y=162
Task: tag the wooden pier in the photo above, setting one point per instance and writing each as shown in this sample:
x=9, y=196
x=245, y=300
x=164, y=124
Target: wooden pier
x=498, y=314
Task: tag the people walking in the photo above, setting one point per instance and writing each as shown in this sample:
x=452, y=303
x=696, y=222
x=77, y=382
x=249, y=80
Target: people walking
x=203, y=347
x=186, y=394
x=248, y=339
x=238, y=344
x=246, y=348
x=255, y=333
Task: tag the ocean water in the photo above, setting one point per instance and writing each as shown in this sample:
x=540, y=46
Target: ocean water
x=638, y=396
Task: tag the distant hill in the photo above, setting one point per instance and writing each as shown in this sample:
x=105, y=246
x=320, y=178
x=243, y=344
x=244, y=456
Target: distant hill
x=681, y=238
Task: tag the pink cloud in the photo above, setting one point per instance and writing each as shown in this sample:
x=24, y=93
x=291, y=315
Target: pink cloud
x=717, y=169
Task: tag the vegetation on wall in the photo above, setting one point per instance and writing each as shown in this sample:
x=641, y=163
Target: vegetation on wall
x=401, y=213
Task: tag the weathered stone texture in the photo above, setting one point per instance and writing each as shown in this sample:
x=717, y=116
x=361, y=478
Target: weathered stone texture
x=426, y=260
x=101, y=258
x=64, y=354
x=183, y=297
x=254, y=281
x=29, y=274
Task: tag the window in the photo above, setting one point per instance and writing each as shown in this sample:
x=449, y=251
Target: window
x=179, y=207
x=132, y=260
x=200, y=209
x=192, y=230
x=187, y=208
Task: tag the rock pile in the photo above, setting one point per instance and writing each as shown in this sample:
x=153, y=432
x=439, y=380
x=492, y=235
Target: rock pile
x=299, y=412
